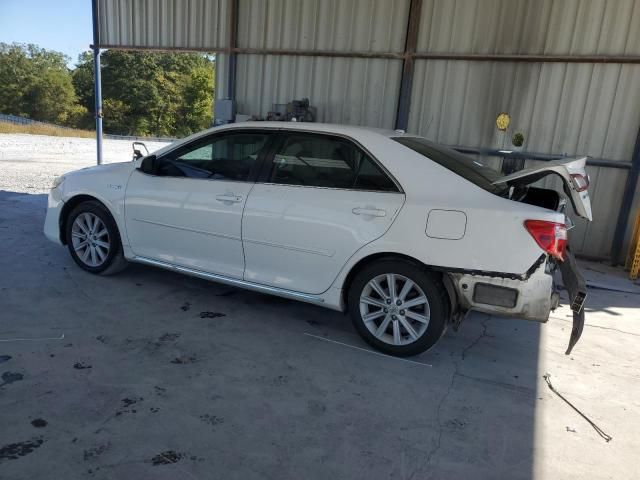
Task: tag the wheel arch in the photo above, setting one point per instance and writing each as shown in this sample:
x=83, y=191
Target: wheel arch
x=72, y=203
x=369, y=259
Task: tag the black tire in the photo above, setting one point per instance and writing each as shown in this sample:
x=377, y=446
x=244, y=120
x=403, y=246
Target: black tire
x=114, y=261
x=430, y=285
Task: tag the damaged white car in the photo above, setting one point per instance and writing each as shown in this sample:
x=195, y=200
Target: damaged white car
x=406, y=235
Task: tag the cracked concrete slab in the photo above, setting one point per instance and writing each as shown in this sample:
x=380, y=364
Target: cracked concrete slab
x=258, y=398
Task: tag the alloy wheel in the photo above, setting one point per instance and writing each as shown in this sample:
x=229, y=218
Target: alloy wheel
x=90, y=239
x=394, y=309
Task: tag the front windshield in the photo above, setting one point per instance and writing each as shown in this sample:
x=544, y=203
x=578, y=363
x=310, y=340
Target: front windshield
x=463, y=165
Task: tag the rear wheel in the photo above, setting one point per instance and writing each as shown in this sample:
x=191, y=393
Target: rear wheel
x=93, y=239
x=398, y=307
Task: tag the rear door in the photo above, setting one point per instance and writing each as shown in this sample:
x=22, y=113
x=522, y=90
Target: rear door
x=319, y=199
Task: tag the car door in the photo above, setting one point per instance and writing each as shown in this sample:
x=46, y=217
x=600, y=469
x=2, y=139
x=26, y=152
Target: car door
x=318, y=200
x=185, y=207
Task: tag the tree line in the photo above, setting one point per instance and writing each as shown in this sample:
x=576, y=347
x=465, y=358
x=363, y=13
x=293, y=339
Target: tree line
x=143, y=93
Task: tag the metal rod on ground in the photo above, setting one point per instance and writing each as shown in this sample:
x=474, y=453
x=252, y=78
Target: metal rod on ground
x=627, y=202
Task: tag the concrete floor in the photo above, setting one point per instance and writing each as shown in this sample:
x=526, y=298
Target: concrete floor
x=152, y=375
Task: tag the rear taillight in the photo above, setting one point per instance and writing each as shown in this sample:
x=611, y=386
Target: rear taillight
x=580, y=182
x=550, y=236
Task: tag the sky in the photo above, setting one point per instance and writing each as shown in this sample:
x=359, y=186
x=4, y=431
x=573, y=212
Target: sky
x=61, y=25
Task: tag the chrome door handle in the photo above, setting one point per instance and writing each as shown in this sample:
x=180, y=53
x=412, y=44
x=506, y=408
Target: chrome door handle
x=229, y=198
x=372, y=212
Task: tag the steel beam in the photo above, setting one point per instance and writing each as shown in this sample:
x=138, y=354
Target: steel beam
x=97, y=81
x=97, y=88
x=408, y=65
x=543, y=157
x=233, y=44
x=619, y=59
x=628, y=194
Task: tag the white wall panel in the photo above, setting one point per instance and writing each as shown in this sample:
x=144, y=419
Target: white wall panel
x=338, y=25
x=550, y=27
x=198, y=24
x=352, y=91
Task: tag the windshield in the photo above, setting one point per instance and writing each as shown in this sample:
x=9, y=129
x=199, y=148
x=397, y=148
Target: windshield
x=468, y=168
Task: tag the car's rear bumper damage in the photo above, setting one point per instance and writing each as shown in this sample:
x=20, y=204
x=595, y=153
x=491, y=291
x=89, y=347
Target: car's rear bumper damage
x=531, y=296
x=577, y=291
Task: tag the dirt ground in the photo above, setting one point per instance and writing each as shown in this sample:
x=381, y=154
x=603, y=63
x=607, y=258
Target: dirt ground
x=153, y=375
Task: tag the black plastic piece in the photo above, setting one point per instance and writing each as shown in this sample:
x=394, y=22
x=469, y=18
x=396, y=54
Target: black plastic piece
x=577, y=290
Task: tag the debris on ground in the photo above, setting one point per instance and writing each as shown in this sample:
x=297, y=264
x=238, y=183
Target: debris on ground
x=607, y=438
x=167, y=457
x=10, y=377
x=39, y=423
x=211, y=314
x=13, y=451
x=183, y=359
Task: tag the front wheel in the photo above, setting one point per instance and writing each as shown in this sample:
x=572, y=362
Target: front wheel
x=398, y=307
x=93, y=239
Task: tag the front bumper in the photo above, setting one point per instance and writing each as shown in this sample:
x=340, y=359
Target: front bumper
x=52, y=220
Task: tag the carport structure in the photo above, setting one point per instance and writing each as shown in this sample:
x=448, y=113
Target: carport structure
x=568, y=73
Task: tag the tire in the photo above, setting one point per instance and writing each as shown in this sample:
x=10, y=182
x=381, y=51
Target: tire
x=371, y=305
x=102, y=252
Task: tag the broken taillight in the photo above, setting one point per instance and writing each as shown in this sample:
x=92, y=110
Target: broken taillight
x=580, y=182
x=550, y=236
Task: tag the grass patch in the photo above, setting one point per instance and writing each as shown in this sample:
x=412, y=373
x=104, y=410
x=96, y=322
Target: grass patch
x=51, y=130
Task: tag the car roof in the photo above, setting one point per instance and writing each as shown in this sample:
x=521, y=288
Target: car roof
x=354, y=131
x=312, y=127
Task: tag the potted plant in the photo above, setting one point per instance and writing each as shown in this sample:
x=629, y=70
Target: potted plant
x=518, y=141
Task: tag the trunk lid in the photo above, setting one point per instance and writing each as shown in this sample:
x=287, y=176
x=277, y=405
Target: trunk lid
x=574, y=177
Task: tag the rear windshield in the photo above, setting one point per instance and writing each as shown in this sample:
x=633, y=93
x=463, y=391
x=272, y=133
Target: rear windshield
x=465, y=166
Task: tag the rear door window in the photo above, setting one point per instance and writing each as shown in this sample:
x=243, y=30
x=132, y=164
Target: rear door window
x=314, y=160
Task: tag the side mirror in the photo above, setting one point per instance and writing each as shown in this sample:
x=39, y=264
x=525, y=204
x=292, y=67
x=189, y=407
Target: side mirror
x=137, y=152
x=148, y=164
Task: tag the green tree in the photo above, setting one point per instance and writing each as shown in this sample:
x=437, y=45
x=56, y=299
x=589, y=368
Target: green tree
x=162, y=93
x=144, y=93
x=36, y=83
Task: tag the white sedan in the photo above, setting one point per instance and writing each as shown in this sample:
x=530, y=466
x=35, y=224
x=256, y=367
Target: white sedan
x=406, y=235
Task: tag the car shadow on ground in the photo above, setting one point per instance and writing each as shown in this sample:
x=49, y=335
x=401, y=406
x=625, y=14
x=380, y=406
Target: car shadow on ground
x=155, y=375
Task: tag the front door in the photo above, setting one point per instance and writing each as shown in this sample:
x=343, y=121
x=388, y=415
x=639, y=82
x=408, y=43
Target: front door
x=185, y=207
x=319, y=200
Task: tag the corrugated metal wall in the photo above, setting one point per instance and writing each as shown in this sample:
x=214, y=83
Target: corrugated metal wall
x=354, y=91
x=345, y=90
x=574, y=108
x=164, y=23
x=530, y=27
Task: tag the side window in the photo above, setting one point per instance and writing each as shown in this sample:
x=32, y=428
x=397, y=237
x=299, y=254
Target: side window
x=224, y=157
x=323, y=161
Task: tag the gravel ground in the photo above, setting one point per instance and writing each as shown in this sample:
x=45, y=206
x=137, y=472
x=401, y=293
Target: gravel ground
x=29, y=163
